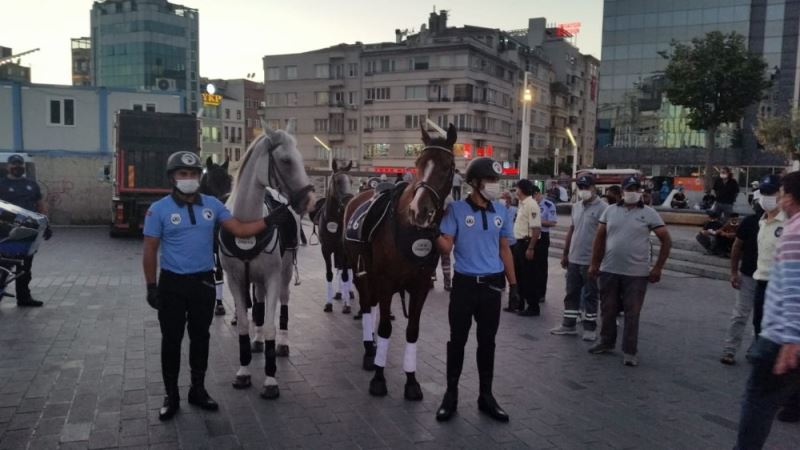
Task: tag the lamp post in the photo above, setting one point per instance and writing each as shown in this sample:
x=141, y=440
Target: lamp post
x=330, y=152
x=526, y=129
x=555, y=164
x=574, y=157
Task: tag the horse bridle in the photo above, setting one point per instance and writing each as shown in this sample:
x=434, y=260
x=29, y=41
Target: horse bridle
x=340, y=202
x=275, y=176
x=422, y=184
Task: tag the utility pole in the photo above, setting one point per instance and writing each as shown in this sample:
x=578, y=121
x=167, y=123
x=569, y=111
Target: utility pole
x=525, y=133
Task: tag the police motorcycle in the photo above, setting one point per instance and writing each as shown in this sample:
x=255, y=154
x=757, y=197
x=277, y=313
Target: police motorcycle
x=21, y=233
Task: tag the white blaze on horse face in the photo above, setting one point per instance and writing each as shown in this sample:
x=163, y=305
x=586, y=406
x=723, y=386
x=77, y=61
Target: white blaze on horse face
x=414, y=207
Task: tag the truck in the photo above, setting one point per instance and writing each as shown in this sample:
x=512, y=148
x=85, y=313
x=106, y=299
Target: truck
x=143, y=141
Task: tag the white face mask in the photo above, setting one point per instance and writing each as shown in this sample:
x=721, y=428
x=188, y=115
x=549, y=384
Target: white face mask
x=189, y=186
x=584, y=195
x=490, y=191
x=768, y=202
x=631, y=197
x=724, y=176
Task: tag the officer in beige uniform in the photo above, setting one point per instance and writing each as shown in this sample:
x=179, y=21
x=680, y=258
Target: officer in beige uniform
x=527, y=227
x=770, y=228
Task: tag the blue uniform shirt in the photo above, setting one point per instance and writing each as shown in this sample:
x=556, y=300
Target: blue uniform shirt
x=477, y=234
x=186, y=232
x=21, y=192
x=548, y=213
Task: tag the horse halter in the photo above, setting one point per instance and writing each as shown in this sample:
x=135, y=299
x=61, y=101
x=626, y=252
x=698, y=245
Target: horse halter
x=274, y=177
x=422, y=184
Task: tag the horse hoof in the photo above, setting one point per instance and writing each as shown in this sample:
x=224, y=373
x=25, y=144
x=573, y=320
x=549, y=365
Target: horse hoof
x=282, y=350
x=270, y=392
x=328, y=307
x=257, y=347
x=368, y=363
x=346, y=309
x=338, y=296
x=413, y=392
x=219, y=310
x=242, y=382
x=377, y=387
x=357, y=316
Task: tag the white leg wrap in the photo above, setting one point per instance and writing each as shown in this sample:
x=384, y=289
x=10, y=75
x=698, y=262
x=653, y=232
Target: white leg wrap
x=410, y=358
x=270, y=381
x=259, y=334
x=367, y=326
x=219, y=290
x=243, y=370
x=346, y=293
x=283, y=337
x=380, y=352
x=329, y=299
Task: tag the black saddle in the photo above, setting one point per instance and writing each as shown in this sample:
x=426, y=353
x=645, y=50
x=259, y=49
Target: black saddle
x=248, y=249
x=369, y=215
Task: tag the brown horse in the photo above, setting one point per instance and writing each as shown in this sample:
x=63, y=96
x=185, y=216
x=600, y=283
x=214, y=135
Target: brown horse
x=401, y=255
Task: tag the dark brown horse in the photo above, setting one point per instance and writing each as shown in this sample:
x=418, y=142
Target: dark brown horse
x=330, y=222
x=401, y=256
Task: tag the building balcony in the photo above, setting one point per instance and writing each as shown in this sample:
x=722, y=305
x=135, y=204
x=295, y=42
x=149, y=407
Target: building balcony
x=335, y=136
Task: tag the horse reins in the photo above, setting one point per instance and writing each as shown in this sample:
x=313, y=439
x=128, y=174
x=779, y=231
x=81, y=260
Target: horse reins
x=274, y=175
x=422, y=184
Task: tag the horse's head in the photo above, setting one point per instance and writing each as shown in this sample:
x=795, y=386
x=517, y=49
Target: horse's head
x=284, y=169
x=340, y=186
x=433, y=180
x=216, y=181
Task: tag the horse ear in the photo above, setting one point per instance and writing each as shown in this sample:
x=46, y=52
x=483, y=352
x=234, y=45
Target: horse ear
x=426, y=139
x=209, y=162
x=452, y=136
x=264, y=128
x=289, y=126
x=334, y=166
x=349, y=166
x=225, y=164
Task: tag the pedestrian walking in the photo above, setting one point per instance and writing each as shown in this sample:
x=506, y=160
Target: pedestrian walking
x=457, y=182
x=542, y=250
x=770, y=228
x=744, y=255
x=181, y=226
x=621, y=263
x=581, y=288
x=726, y=189
x=526, y=231
x=477, y=230
x=775, y=374
x=21, y=191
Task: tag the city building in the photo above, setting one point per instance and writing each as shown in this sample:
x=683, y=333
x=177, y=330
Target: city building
x=68, y=131
x=637, y=125
x=81, y=61
x=146, y=45
x=11, y=69
x=241, y=109
x=367, y=101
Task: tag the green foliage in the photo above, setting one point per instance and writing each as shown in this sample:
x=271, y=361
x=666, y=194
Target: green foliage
x=780, y=134
x=715, y=78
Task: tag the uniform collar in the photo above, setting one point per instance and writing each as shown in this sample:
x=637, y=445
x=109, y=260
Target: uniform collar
x=475, y=207
x=781, y=217
x=621, y=204
x=198, y=200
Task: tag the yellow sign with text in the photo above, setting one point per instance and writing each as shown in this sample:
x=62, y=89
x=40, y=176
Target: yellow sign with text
x=211, y=99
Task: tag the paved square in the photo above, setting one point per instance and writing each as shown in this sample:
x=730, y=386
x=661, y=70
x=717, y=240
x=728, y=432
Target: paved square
x=84, y=371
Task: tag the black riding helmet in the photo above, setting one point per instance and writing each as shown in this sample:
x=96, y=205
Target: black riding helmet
x=184, y=160
x=482, y=169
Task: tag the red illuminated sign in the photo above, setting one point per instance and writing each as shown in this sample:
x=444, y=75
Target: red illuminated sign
x=568, y=29
x=511, y=171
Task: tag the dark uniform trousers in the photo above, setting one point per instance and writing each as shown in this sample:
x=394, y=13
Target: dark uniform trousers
x=523, y=269
x=187, y=301
x=23, y=290
x=540, y=255
x=478, y=299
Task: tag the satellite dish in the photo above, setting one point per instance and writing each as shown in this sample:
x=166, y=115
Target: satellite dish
x=211, y=89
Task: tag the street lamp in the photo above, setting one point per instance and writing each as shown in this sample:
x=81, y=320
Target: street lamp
x=526, y=129
x=574, y=157
x=330, y=152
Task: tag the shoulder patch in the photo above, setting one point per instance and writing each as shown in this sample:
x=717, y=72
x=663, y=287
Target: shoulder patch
x=469, y=220
x=208, y=214
x=498, y=221
x=175, y=218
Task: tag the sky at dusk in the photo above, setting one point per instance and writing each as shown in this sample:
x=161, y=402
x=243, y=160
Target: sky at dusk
x=236, y=34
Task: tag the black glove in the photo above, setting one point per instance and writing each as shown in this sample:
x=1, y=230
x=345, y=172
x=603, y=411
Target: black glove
x=513, y=294
x=48, y=233
x=279, y=216
x=152, y=296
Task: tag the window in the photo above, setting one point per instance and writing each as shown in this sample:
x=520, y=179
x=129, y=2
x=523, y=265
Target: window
x=149, y=107
x=238, y=114
x=274, y=124
x=419, y=63
x=338, y=98
x=322, y=70
x=352, y=97
x=238, y=154
x=376, y=150
x=320, y=124
x=321, y=98
x=416, y=92
x=273, y=73
x=414, y=121
x=239, y=134
x=352, y=124
x=336, y=123
x=387, y=65
x=227, y=113
x=291, y=72
x=413, y=149
x=463, y=93
x=352, y=70
x=62, y=112
x=226, y=133
x=291, y=98
x=442, y=121
x=377, y=122
x=378, y=93
x=273, y=99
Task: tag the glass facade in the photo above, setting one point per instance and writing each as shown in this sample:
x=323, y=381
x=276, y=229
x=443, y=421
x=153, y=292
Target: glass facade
x=633, y=110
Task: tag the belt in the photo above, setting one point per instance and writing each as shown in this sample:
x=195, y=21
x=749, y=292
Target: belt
x=481, y=279
x=201, y=276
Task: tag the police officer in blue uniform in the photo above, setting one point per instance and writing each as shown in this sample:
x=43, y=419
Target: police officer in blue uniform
x=16, y=189
x=182, y=226
x=477, y=229
x=541, y=251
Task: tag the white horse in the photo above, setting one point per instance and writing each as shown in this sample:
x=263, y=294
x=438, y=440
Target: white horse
x=272, y=163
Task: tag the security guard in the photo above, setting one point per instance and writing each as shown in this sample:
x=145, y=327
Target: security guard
x=182, y=225
x=527, y=228
x=540, y=252
x=25, y=193
x=478, y=229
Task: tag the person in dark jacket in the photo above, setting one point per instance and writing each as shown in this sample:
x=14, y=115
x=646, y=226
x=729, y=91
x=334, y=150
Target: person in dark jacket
x=726, y=189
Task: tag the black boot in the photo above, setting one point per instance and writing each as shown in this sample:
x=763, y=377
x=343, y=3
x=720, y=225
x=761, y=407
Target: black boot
x=455, y=362
x=486, y=401
x=172, y=403
x=198, y=395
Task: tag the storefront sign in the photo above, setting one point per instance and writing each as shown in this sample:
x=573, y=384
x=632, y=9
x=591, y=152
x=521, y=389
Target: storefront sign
x=211, y=99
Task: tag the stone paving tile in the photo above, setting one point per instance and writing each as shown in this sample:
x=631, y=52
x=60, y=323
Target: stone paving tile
x=84, y=372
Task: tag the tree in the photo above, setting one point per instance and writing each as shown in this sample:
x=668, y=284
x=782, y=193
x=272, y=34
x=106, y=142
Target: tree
x=715, y=78
x=781, y=134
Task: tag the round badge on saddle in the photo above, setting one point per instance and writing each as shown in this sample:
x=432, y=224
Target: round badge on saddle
x=246, y=243
x=422, y=247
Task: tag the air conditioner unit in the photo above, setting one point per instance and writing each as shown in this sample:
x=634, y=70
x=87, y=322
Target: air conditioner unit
x=165, y=84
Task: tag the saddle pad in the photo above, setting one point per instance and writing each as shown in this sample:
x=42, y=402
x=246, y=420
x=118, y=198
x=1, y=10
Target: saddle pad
x=418, y=245
x=248, y=249
x=366, y=218
x=289, y=235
